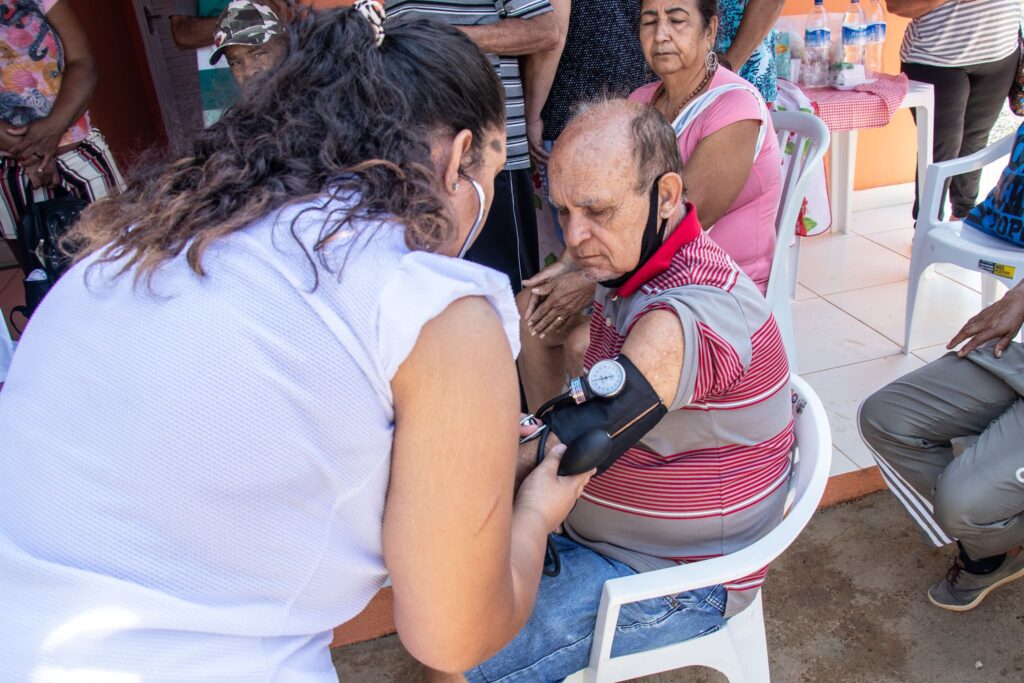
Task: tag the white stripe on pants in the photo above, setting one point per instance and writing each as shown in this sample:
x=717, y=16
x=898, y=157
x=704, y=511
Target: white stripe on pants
x=978, y=496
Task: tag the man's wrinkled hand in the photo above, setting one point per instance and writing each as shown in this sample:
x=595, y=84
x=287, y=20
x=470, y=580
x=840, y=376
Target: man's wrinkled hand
x=1002, y=320
x=545, y=276
x=548, y=274
x=559, y=302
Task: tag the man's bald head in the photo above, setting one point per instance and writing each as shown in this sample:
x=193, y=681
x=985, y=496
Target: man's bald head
x=610, y=130
x=602, y=180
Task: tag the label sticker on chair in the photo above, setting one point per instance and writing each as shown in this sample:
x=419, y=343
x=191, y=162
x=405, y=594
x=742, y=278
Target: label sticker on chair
x=1000, y=269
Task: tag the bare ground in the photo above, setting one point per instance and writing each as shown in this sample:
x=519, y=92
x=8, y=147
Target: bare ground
x=845, y=604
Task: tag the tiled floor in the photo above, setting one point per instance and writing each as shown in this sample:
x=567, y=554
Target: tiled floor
x=849, y=312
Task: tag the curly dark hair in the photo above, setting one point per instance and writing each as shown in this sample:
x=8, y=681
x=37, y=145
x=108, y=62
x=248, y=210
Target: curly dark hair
x=338, y=117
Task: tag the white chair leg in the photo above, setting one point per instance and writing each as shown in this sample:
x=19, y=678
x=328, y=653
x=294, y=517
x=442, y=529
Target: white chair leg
x=989, y=290
x=913, y=280
x=794, y=266
x=751, y=645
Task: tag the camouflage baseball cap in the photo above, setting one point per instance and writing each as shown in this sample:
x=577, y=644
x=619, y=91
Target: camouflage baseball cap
x=244, y=22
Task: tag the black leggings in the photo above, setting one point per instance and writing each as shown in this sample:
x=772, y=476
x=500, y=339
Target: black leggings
x=508, y=240
x=968, y=100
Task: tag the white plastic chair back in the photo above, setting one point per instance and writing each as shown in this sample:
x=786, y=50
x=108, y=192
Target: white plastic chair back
x=810, y=142
x=938, y=241
x=739, y=649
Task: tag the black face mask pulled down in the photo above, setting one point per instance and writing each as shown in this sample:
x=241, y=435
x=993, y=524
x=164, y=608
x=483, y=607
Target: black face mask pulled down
x=653, y=238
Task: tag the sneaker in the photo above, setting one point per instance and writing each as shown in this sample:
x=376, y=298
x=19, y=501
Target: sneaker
x=962, y=590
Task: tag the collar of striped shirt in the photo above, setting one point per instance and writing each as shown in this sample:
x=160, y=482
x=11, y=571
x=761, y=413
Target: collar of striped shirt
x=687, y=231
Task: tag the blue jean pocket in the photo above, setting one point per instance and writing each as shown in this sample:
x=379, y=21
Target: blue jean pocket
x=657, y=610
x=654, y=623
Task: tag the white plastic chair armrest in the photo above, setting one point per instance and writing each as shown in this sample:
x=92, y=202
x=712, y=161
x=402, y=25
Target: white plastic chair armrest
x=976, y=161
x=937, y=174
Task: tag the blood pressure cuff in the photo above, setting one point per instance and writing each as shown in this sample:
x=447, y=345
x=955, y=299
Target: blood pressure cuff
x=626, y=417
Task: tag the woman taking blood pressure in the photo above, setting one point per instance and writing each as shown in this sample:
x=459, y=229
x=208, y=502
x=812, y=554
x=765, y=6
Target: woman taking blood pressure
x=279, y=385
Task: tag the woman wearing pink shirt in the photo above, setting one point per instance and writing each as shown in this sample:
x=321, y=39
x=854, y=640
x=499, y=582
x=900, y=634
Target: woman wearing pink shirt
x=730, y=154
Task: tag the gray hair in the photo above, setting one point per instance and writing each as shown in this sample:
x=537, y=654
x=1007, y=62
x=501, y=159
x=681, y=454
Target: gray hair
x=655, y=147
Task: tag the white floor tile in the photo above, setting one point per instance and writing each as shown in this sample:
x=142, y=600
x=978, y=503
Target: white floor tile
x=844, y=262
x=943, y=306
x=887, y=218
x=930, y=353
x=968, y=278
x=842, y=390
x=899, y=241
x=841, y=464
x=804, y=293
x=826, y=337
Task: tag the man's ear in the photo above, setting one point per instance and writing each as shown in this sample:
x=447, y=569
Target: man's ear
x=458, y=154
x=670, y=194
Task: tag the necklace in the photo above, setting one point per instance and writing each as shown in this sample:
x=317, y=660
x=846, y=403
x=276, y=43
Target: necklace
x=686, y=100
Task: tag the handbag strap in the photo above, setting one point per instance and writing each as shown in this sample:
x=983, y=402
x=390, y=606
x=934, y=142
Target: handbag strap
x=695, y=108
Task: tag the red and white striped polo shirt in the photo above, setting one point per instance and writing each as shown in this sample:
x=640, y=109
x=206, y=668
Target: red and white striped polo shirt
x=712, y=477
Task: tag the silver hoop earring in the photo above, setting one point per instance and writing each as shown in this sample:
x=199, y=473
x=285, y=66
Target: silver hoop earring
x=711, y=61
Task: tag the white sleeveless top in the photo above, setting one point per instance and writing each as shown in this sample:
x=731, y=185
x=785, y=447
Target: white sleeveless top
x=194, y=479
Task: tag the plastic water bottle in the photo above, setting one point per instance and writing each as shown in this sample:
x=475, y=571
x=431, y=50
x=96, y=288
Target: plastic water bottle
x=817, y=44
x=875, y=19
x=854, y=34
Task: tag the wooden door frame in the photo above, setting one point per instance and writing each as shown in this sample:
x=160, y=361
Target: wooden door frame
x=161, y=102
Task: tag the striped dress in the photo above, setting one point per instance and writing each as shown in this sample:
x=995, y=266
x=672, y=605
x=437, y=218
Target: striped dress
x=712, y=477
x=962, y=33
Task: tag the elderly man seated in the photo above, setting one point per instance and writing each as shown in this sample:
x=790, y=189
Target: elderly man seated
x=711, y=476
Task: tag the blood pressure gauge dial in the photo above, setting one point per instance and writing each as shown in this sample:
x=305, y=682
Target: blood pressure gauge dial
x=606, y=378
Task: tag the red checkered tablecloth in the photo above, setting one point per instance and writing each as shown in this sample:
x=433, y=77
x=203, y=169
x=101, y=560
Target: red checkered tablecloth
x=870, y=105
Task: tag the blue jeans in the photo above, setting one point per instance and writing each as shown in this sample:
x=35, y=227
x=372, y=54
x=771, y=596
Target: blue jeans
x=555, y=643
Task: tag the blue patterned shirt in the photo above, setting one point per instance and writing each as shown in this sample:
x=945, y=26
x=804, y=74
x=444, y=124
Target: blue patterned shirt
x=760, y=68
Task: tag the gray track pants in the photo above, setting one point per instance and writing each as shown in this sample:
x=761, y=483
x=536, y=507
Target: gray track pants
x=978, y=496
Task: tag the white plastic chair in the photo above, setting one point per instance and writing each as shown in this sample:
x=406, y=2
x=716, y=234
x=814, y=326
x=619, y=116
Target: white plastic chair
x=812, y=139
x=739, y=649
x=953, y=242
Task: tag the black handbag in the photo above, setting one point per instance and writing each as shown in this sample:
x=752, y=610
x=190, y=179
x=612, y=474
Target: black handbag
x=39, y=235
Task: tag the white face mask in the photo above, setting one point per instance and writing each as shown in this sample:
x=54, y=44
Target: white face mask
x=479, y=216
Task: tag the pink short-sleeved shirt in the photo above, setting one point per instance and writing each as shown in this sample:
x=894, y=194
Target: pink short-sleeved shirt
x=747, y=230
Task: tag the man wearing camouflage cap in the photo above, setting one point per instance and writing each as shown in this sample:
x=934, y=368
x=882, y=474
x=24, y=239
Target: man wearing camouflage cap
x=251, y=36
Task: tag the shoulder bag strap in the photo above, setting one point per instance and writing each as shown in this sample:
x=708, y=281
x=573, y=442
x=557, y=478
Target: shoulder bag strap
x=695, y=108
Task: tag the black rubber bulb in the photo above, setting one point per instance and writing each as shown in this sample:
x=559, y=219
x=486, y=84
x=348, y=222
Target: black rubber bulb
x=589, y=450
